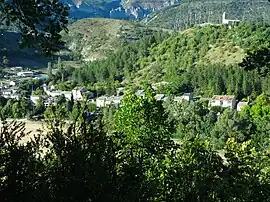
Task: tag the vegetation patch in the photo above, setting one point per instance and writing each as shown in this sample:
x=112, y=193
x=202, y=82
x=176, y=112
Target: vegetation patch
x=226, y=54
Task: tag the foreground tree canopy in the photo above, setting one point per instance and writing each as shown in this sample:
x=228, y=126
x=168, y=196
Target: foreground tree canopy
x=135, y=160
x=38, y=21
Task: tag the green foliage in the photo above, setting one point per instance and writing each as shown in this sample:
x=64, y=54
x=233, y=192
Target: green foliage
x=258, y=114
x=143, y=123
x=35, y=24
x=3, y=65
x=20, y=165
x=40, y=107
x=197, y=120
x=14, y=108
x=259, y=60
x=193, y=173
x=190, y=61
x=230, y=125
x=248, y=167
x=137, y=161
x=4, y=62
x=190, y=120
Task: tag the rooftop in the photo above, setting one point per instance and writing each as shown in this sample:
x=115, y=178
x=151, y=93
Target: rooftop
x=223, y=97
x=160, y=96
x=186, y=94
x=242, y=103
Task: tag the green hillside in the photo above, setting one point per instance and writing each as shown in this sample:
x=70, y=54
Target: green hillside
x=95, y=39
x=204, y=60
x=190, y=12
x=209, y=45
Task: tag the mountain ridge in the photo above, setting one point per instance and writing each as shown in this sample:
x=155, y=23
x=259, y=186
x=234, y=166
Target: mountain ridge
x=189, y=13
x=118, y=9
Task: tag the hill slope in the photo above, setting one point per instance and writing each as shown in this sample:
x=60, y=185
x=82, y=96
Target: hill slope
x=202, y=46
x=190, y=12
x=19, y=57
x=94, y=39
x=204, y=60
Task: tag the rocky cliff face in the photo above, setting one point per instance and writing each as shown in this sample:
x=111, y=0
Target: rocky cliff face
x=119, y=9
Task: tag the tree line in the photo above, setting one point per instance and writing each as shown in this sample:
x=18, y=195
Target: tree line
x=136, y=160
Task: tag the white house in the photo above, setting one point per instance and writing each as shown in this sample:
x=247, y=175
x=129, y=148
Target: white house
x=49, y=101
x=34, y=99
x=67, y=94
x=223, y=101
x=155, y=86
x=6, y=92
x=241, y=105
x=15, y=96
x=114, y=100
x=16, y=68
x=13, y=83
x=106, y=101
x=186, y=96
x=10, y=93
x=80, y=93
x=25, y=74
x=160, y=97
x=100, y=101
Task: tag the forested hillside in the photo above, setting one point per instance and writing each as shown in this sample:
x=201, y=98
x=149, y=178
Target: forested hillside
x=94, y=39
x=191, y=12
x=202, y=59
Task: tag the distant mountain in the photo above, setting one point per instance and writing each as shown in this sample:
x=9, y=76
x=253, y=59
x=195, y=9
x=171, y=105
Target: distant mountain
x=118, y=9
x=190, y=12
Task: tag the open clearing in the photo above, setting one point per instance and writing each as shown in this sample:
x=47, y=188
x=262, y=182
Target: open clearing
x=30, y=126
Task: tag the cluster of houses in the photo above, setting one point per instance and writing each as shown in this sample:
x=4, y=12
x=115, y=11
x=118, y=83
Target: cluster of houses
x=9, y=91
x=51, y=95
x=224, y=101
x=10, y=85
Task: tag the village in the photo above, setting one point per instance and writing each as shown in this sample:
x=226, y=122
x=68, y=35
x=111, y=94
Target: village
x=9, y=89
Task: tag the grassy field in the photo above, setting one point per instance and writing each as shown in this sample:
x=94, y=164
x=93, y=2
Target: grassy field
x=32, y=127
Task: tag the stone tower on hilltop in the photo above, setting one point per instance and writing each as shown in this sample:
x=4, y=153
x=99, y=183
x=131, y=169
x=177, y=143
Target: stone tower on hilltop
x=227, y=21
